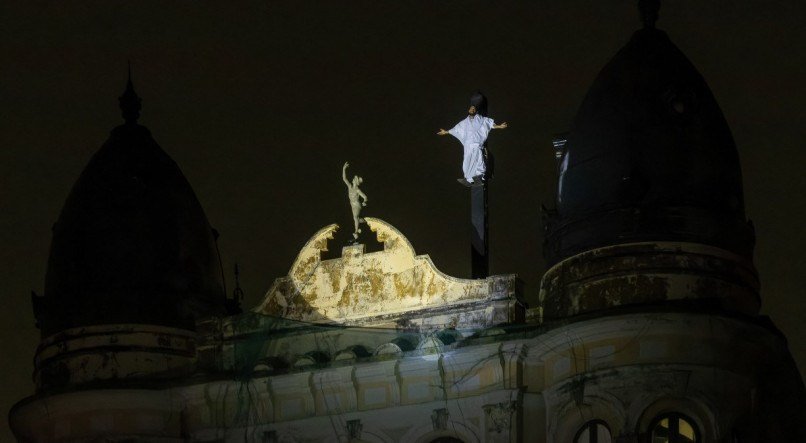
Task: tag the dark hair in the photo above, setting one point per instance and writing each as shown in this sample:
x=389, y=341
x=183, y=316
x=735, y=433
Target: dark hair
x=479, y=101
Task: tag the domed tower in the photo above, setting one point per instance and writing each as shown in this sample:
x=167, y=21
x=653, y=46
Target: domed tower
x=649, y=191
x=133, y=264
x=651, y=292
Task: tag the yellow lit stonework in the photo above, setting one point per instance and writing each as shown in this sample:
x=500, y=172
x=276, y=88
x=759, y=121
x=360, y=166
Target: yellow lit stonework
x=361, y=286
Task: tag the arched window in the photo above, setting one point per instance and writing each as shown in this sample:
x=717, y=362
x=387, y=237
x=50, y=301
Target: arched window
x=674, y=428
x=595, y=431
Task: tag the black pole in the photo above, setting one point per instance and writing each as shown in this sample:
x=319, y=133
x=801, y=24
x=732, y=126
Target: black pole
x=479, y=232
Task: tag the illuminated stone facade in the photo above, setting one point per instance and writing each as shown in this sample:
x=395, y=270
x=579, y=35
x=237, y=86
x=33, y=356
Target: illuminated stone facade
x=409, y=369
x=376, y=289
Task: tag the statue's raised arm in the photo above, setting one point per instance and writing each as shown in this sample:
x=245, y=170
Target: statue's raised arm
x=344, y=174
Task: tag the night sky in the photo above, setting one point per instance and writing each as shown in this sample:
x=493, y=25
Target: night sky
x=260, y=103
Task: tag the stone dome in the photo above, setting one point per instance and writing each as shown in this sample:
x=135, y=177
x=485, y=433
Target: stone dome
x=132, y=243
x=649, y=157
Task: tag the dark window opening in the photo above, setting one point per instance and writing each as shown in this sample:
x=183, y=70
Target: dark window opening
x=674, y=428
x=595, y=431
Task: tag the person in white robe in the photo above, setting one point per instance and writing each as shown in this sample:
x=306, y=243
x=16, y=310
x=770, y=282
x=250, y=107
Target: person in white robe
x=472, y=132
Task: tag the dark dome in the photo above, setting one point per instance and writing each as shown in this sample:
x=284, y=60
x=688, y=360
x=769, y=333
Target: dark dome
x=649, y=157
x=132, y=244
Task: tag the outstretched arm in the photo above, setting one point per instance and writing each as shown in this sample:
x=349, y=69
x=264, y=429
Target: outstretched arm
x=442, y=132
x=344, y=174
x=501, y=126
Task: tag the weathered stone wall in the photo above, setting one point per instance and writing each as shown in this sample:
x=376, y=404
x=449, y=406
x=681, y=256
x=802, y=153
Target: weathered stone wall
x=370, y=288
x=649, y=273
x=125, y=352
x=523, y=384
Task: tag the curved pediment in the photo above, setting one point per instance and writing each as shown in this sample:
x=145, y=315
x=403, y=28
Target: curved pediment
x=375, y=284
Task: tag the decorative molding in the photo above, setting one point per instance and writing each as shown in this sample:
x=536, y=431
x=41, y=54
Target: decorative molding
x=439, y=418
x=499, y=416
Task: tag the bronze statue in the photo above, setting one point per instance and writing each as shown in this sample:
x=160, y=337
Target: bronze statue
x=355, y=195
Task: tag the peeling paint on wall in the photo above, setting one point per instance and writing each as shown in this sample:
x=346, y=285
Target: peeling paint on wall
x=360, y=284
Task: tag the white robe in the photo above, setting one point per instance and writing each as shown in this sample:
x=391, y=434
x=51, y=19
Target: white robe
x=472, y=133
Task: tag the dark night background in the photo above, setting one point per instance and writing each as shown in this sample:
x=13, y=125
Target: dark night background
x=261, y=102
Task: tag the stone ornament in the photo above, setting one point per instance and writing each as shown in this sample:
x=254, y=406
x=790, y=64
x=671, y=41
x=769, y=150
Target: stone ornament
x=500, y=415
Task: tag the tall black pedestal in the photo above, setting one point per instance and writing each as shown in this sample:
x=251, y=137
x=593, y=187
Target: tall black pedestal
x=479, y=259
